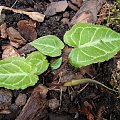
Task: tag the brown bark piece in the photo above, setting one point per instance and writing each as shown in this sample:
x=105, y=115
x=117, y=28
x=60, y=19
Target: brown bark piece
x=9, y=51
x=16, y=39
x=35, y=108
x=92, y=7
x=27, y=29
x=3, y=32
x=26, y=49
x=85, y=17
x=55, y=7
x=4, y=109
x=72, y=6
x=5, y=101
x=65, y=21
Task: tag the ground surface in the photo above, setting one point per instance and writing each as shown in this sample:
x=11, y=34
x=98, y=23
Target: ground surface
x=84, y=102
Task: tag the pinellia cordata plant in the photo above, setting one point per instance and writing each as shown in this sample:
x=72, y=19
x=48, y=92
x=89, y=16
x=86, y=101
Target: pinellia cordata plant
x=90, y=44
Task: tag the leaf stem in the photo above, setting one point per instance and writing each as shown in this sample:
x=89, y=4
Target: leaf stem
x=86, y=80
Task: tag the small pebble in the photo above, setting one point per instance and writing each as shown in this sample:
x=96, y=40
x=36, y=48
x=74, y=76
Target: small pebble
x=21, y=99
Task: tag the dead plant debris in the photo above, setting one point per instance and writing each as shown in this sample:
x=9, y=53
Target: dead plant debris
x=27, y=29
x=9, y=51
x=15, y=38
x=55, y=7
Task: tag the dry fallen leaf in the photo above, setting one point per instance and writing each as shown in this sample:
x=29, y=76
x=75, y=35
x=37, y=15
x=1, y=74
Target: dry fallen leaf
x=9, y=51
x=16, y=39
x=55, y=7
x=27, y=29
x=33, y=15
x=3, y=32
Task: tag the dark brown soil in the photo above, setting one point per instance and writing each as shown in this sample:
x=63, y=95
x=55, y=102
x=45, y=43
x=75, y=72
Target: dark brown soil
x=105, y=104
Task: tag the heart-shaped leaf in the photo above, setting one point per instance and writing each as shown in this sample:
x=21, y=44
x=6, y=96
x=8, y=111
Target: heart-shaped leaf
x=92, y=44
x=39, y=61
x=48, y=45
x=16, y=73
x=56, y=64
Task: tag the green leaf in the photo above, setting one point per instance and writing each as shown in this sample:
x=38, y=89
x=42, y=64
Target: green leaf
x=17, y=73
x=92, y=44
x=56, y=64
x=39, y=61
x=48, y=45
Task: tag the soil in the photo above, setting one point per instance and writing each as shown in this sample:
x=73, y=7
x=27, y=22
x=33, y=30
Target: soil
x=91, y=103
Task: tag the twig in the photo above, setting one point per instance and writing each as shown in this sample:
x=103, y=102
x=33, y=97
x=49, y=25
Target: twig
x=14, y=3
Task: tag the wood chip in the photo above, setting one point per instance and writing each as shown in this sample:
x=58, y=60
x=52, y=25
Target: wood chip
x=85, y=17
x=65, y=21
x=92, y=7
x=2, y=16
x=3, y=32
x=5, y=97
x=55, y=7
x=27, y=29
x=35, y=108
x=9, y=51
x=4, y=109
x=72, y=6
x=5, y=101
x=26, y=49
x=16, y=39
